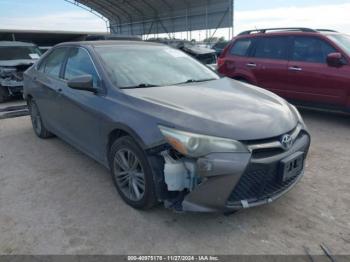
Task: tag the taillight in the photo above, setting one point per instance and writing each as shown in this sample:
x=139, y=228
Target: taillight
x=221, y=62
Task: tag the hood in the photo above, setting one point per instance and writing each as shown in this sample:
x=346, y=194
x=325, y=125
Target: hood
x=13, y=63
x=224, y=108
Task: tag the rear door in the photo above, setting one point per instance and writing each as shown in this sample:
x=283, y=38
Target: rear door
x=50, y=84
x=311, y=79
x=237, y=59
x=270, y=62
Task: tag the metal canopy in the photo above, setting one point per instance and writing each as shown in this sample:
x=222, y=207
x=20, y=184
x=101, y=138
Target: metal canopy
x=142, y=17
x=44, y=38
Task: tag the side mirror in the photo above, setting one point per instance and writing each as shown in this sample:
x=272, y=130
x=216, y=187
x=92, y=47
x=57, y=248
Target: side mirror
x=335, y=60
x=84, y=83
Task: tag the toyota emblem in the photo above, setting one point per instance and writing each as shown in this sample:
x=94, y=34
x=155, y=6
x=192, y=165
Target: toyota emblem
x=287, y=142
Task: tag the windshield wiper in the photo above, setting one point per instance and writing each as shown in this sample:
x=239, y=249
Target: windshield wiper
x=196, y=81
x=143, y=85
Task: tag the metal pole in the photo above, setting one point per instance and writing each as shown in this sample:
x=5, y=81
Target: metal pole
x=206, y=19
x=187, y=23
x=233, y=18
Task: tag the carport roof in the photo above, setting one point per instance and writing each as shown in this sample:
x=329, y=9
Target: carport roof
x=163, y=16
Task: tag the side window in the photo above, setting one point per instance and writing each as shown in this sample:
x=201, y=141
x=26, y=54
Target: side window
x=79, y=63
x=241, y=47
x=272, y=48
x=53, y=62
x=311, y=49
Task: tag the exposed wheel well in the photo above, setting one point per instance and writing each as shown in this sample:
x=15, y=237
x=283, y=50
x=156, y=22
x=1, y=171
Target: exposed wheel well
x=114, y=135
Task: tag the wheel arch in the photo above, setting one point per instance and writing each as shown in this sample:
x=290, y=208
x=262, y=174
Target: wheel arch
x=119, y=131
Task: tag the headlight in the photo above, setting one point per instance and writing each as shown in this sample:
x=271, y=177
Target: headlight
x=195, y=145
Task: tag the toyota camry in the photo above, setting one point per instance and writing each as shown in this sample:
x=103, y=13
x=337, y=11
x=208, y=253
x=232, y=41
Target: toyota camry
x=169, y=129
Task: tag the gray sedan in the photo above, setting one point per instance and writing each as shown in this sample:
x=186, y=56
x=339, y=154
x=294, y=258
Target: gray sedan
x=169, y=129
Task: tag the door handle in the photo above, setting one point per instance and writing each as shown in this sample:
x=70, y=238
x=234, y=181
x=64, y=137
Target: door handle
x=251, y=65
x=59, y=90
x=295, y=68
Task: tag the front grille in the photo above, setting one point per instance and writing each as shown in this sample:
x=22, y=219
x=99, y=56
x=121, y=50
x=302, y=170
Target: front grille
x=258, y=183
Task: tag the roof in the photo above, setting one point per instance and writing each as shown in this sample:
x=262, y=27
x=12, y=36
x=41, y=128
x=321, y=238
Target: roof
x=15, y=43
x=110, y=43
x=287, y=30
x=142, y=17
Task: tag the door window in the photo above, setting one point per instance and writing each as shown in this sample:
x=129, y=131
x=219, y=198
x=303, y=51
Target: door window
x=79, y=63
x=241, y=47
x=53, y=62
x=311, y=49
x=272, y=48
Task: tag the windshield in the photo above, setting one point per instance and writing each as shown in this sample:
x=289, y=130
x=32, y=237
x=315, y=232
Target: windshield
x=19, y=52
x=146, y=66
x=343, y=41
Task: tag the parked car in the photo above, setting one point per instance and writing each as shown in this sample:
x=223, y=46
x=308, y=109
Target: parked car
x=305, y=66
x=100, y=37
x=205, y=55
x=169, y=129
x=219, y=47
x=15, y=58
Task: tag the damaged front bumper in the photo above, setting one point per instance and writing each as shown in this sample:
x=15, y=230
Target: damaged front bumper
x=14, y=87
x=11, y=77
x=232, y=181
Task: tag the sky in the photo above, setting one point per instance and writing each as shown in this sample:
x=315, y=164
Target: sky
x=60, y=15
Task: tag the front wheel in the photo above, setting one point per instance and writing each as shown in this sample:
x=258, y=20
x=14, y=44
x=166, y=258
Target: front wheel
x=132, y=174
x=37, y=122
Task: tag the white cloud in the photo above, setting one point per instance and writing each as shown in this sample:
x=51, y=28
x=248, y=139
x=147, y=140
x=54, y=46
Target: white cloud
x=332, y=16
x=68, y=21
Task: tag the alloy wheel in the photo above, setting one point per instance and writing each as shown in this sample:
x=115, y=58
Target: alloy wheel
x=129, y=174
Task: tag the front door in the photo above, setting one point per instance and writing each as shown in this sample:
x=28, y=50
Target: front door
x=311, y=79
x=80, y=108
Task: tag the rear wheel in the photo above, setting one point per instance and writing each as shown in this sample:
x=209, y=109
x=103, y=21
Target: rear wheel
x=132, y=174
x=37, y=122
x=4, y=94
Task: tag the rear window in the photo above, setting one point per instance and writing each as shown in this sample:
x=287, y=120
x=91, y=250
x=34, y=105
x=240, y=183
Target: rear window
x=241, y=47
x=272, y=48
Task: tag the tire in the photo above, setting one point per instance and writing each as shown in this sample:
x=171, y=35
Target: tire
x=4, y=94
x=132, y=174
x=37, y=123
